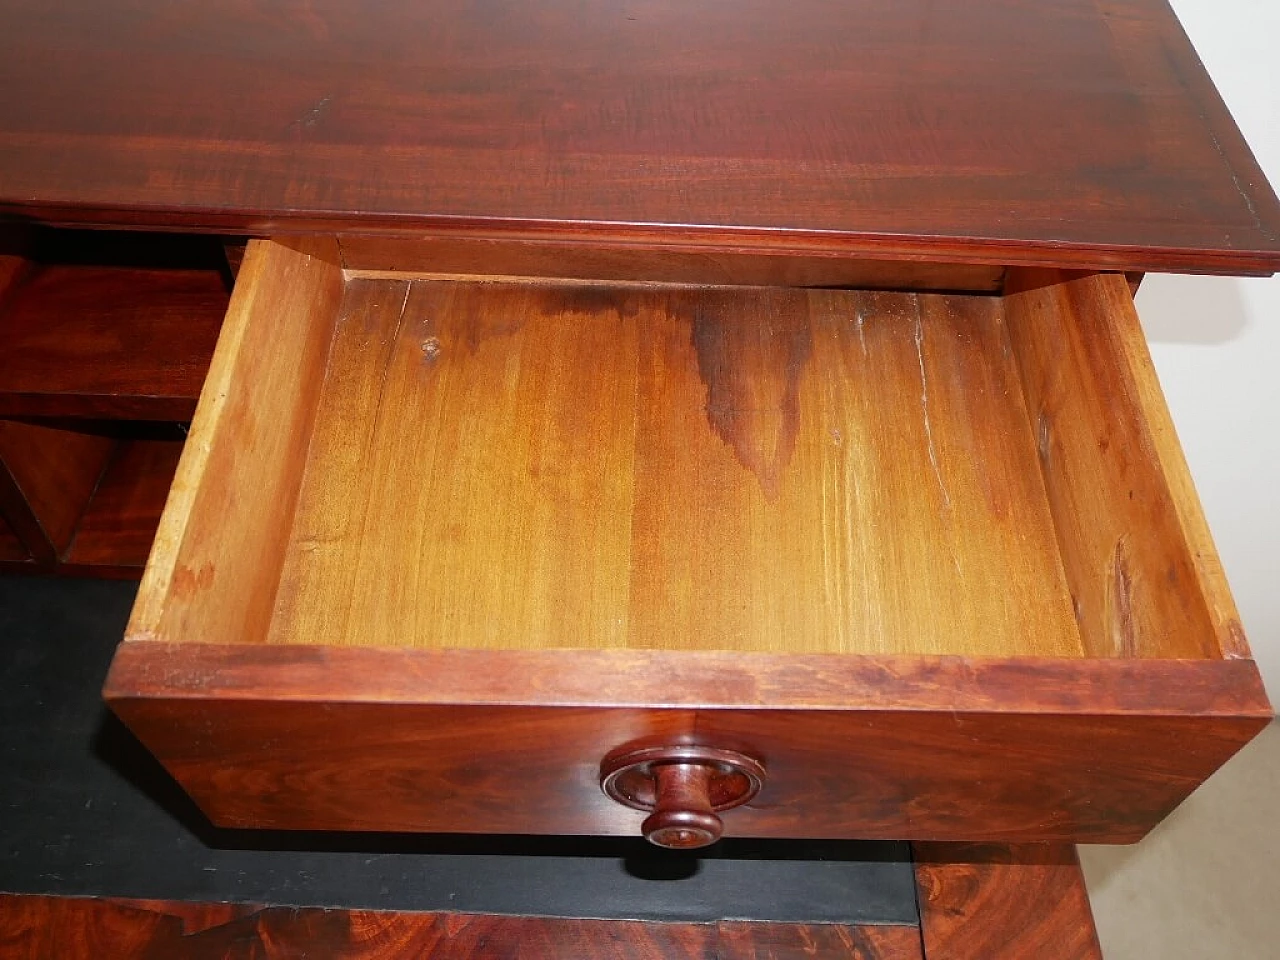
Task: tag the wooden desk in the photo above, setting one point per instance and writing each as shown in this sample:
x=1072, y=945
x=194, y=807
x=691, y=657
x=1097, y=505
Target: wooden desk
x=901, y=536
x=1066, y=133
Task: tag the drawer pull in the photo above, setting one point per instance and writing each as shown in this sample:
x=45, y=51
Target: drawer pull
x=685, y=788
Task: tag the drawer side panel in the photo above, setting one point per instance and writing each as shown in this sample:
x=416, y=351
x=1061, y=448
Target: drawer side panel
x=216, y=559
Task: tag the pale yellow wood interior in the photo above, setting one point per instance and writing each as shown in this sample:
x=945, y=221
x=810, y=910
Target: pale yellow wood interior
x=215, y=563
x=557, y=465
x=1144, y=574
x=550, y=464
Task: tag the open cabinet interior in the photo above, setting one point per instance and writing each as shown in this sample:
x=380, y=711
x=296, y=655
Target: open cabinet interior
x=106, y=341
x=390, y=461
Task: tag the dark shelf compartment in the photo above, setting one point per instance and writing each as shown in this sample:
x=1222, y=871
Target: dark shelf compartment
x=107, y=338
x=108, y=326
x=117, y=527
x=12, y=550
x=109, y=505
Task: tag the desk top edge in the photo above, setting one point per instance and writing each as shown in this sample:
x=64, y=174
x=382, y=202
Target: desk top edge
x=1076, y=133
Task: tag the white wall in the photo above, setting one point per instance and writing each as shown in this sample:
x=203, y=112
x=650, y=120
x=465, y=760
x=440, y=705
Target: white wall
x=1216, y=341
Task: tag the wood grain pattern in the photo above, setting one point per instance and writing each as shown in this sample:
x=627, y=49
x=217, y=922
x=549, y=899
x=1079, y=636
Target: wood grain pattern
x=47, y=475
x=236, y=482
x=112, y=342
x=821, y=471
x=982, y=902
x=511, y=741
x=687, y=678
x=1144, y=574
x=779, y=941
x=36, y=928
x=119, y=524
x=463, y=257
x=1006, y=132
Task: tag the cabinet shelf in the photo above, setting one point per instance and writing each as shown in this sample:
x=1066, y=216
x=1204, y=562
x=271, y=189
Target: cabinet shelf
x=107, y=338
x=119, y=341
x=119, y=523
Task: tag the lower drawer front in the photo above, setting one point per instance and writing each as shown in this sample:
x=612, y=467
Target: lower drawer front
x=341, y=739
x=458, y=557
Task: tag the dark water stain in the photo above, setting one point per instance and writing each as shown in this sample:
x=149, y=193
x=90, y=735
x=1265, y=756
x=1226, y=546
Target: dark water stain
x=480, y=312
x=595, y=301
x=751, y=358
x=492, y=311
x=187, y=582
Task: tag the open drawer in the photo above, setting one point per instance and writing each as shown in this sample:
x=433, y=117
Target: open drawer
x=442, y=554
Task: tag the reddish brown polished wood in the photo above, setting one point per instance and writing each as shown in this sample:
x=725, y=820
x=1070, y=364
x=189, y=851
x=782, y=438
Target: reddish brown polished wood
x=47, y=475
x=1060, y=131
x=939, y=748
x=108, y=341
x=683, y=788
x=982, y=901
x=105, y=518
x=467, y=256
x=682, y=816
x=116, y=529
x=39, y=928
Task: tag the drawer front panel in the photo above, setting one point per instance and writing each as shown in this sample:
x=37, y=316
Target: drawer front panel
x=334, y=739
x=534, y=770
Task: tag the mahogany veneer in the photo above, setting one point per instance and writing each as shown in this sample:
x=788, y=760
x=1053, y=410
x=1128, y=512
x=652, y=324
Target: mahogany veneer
x=119, y=524
x=1054, y=132
x=109, y=342
x=985, y=901
x=977, y=902
x=48, y=473
x=35, y=928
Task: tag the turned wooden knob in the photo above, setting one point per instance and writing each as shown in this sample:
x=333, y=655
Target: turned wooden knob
x=684, y=787
x=682, y=816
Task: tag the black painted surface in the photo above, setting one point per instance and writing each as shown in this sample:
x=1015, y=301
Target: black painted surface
x=85, y=810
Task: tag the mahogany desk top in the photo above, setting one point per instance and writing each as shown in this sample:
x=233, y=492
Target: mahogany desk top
x=1063, y=132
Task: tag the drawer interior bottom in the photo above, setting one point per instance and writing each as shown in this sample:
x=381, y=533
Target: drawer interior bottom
x=502, y=464
x=548, y=464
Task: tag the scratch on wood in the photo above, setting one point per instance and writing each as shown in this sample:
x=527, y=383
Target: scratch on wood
x=1123, y=631
x=1244, y=194
x=1176, y=68
x=314, y=115
x=386, y=370
x=1044, y=439
x=924, y=405
x=1237, y=645
x=752, y=375
x=404, y=304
